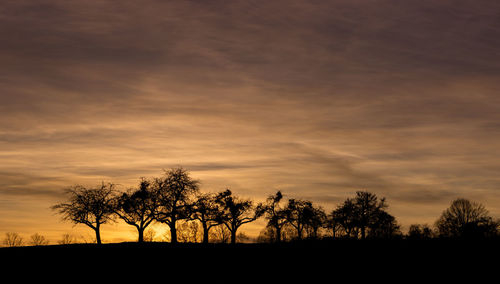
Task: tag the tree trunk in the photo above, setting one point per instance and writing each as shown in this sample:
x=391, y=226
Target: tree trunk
x=278, y=234
x=98, y=234
x=141, y=235
x=233, y=230
x=315, y=233
x=205, y=233
x=233, y=236
x=299, y=232
x=173, y=233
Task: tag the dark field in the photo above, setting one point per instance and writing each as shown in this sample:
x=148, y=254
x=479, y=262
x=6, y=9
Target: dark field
x=379, y=259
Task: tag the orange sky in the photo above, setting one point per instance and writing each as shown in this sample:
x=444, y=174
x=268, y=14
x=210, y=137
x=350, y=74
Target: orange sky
x=318, y=99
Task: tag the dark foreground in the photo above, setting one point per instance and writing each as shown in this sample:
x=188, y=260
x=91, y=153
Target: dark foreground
x=341, y=258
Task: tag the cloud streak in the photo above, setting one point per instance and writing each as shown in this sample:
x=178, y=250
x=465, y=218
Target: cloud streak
x=316, y=98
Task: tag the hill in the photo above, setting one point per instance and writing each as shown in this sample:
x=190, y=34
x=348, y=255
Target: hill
x=335, y=258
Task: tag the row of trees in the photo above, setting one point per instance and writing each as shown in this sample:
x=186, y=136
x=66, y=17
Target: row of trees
x=175, y=197
x=463, y=219
x=168, y=199
x=363, y=216
x=12, y=239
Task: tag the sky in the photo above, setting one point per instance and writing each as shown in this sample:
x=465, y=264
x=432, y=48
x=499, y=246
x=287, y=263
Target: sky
x=318, y=99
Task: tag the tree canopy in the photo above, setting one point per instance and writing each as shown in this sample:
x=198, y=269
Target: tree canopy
x=137, y=207
x=89, y=206
x=175, y=191
x=236, y=212
x=466, y=219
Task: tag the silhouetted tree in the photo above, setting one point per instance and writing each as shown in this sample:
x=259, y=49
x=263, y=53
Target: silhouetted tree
x=67, y=239
x=189, y=231
x=316, y=221
x=13, y=239
x=276, y=215
x=89, y=206
x=137, y=207
x=243, y=238
x=345, y=216
x=267, y=235
x=207, y=210
x=299, y=214
x=365, y=215
x=237, y=212
x=220, y=234
x=419, y=232
x=149, y=235
x=367, y=208
x=332, y=223
x=38, y=240
x=384, y=226
x=466, y=219
x=175, y=191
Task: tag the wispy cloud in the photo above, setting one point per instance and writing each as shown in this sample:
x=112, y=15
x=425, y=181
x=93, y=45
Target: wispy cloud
x=319, y=99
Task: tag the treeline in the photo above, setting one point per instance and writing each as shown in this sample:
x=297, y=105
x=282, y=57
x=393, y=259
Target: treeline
x=175, y=199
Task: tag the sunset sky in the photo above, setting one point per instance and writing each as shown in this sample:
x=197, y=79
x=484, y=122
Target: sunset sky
x=318, y=99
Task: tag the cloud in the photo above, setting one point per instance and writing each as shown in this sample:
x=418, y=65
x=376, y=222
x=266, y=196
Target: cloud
x=29, y=185
x=318, y=98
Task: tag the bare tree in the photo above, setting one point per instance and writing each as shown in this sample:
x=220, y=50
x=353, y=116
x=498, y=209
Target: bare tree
x=67, y=239
x=384, y=226
x=466, y=219
x=38, y=240
x=304, y=217
x=419, y=232
x=13, y=239
x=243, y=238
x=175, y=191
x=267, y=235
x=137, y=207
x=149, y=235
x=299, y=213
x=208, y=212
x=220, y=234
x=367, y=207
x=237, y=212
x=275, y=215
x=189, y=231
x=332, y=223
x=92, y=207
x=363, y=216
x=316, y=222
x=345, y=217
